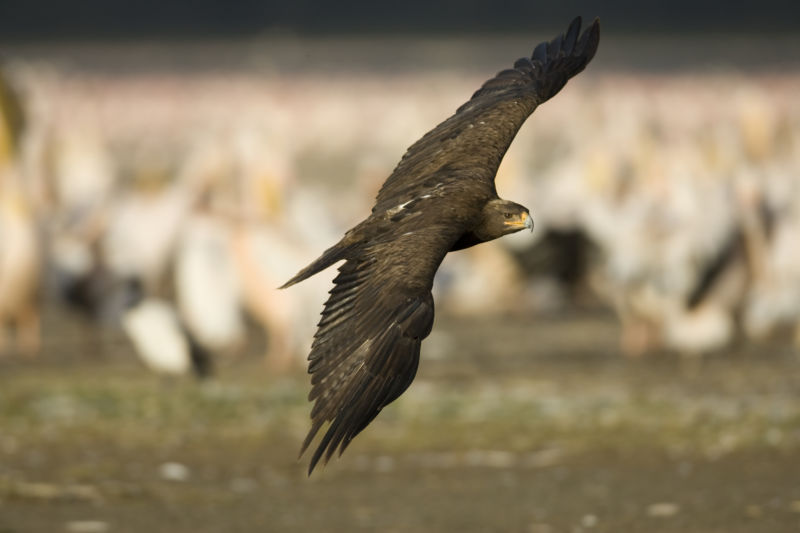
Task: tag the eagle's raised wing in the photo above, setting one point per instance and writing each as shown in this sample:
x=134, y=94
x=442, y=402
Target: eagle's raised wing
x=475, y=139
x=366, y=349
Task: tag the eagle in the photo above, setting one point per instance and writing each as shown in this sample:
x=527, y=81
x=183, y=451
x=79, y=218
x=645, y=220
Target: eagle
x=440, y=197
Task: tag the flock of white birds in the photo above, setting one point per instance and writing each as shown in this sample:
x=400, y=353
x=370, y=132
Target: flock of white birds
x=174, y=205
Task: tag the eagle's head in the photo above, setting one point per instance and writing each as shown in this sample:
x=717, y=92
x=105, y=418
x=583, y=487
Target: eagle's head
x=501, y=217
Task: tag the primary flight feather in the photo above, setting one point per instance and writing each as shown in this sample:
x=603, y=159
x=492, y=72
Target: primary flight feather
x=441, y=197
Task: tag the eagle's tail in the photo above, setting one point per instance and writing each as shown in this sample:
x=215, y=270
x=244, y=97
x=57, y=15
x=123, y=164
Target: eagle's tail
x=330, y=256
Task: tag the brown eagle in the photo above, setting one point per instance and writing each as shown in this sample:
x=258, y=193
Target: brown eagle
x=441, y=197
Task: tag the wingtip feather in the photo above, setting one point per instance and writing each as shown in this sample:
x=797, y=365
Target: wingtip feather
x=571, y=37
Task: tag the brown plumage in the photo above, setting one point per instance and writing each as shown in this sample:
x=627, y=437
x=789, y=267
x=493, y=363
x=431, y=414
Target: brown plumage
x=441, y=197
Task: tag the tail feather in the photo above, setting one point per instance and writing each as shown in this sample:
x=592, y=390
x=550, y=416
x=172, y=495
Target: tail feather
x=330, y=256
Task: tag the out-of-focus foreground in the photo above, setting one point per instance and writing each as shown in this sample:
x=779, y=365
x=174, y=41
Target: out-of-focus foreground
x=152, y=214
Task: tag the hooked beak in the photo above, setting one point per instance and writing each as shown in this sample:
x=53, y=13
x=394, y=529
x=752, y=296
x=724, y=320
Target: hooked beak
x=528, y=221
x=524, y=221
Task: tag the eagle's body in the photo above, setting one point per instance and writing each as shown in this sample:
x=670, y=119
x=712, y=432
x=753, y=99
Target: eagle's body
x=441, y=197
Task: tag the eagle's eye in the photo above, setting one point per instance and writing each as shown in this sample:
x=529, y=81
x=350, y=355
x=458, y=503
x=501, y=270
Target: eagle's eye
x=507, y=215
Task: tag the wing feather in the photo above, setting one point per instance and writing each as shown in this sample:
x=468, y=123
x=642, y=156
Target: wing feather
x=477, y=136
x=366, y=349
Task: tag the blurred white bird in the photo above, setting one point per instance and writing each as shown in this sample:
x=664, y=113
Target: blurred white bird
x=207, y=286
x=20, y=260
x=20, y=266
x=774, y=299
x=157, y=335
x=142, y=231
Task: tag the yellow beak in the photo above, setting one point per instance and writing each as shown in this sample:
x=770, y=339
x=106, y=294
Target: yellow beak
x=524, y=221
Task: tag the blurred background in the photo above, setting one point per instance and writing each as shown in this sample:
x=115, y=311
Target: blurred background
x=632, y=365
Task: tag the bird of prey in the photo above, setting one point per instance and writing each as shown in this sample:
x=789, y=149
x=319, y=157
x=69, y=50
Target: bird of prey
x=441, y=197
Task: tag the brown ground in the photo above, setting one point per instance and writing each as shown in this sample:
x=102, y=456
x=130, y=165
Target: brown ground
x=519, y=424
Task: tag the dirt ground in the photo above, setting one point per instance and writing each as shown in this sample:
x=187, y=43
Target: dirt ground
x=513, y=424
